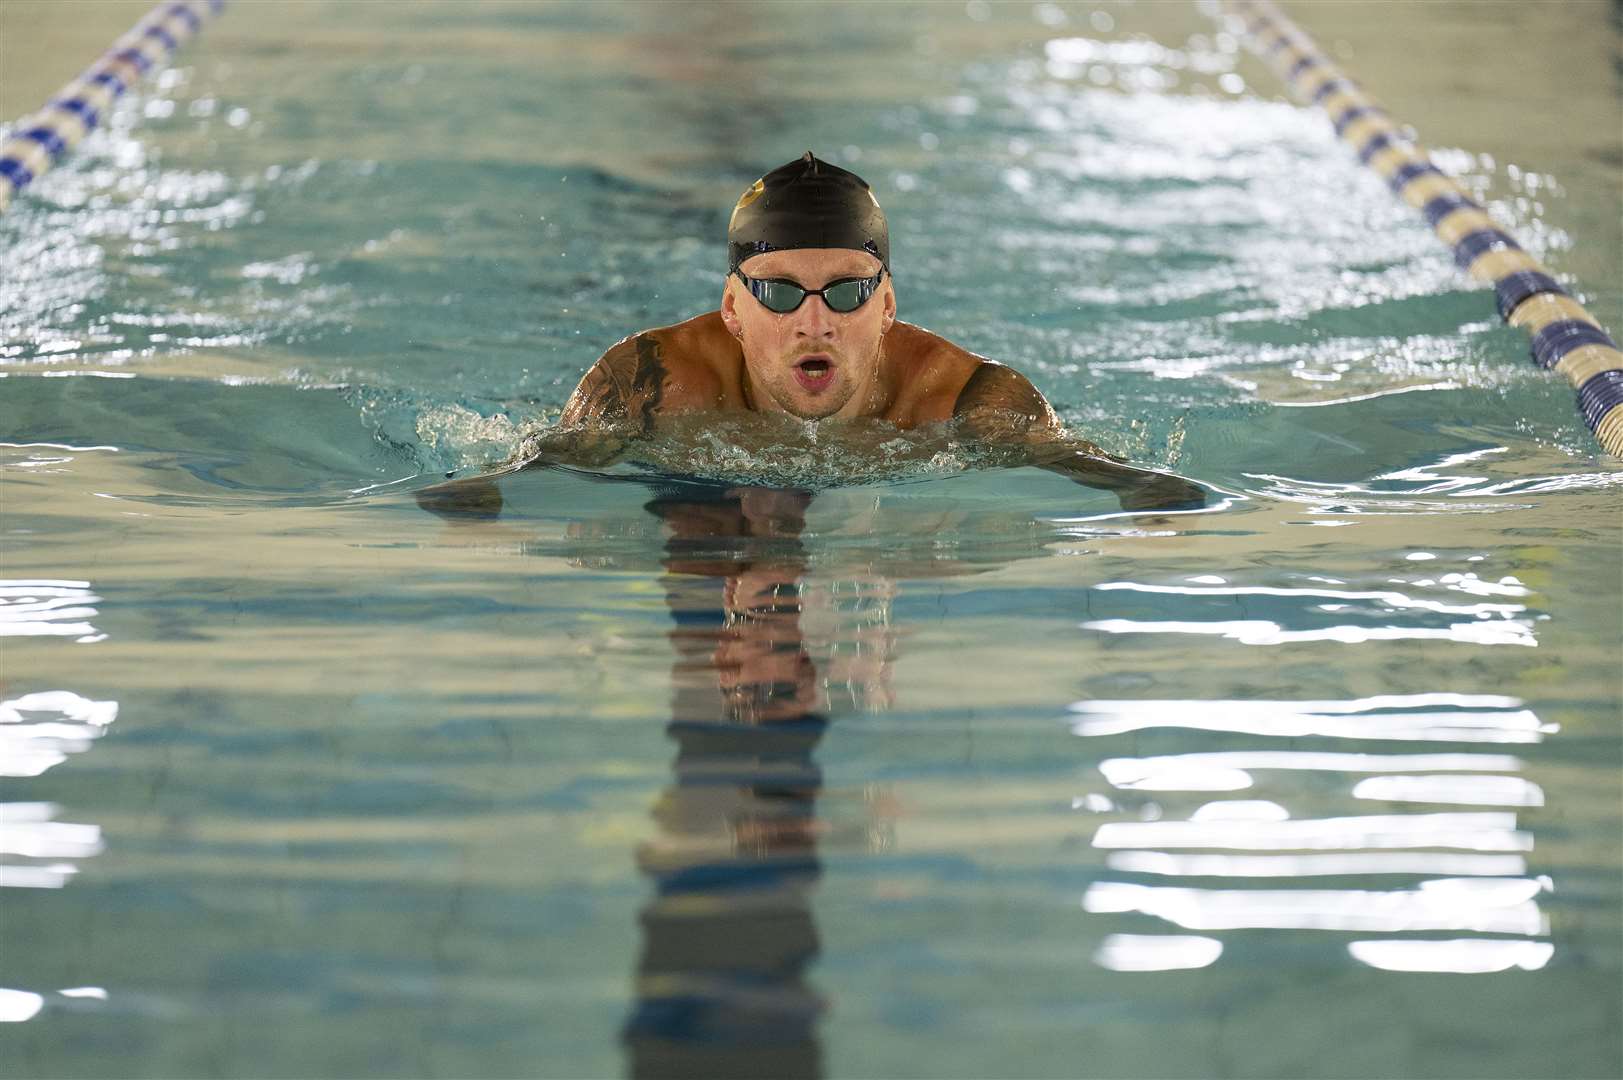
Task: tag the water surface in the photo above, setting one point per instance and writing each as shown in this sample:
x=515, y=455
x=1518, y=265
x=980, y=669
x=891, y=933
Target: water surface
x=953, y=772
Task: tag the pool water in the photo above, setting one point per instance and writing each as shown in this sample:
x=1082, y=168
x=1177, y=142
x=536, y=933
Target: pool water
x=811, y=768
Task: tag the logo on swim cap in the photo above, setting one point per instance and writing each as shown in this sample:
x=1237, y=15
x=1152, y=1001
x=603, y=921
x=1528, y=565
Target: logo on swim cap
x=808, y=203
x=745, y=199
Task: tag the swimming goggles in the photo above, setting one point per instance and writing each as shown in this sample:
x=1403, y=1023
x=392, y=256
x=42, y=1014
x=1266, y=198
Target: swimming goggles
x=781, y=296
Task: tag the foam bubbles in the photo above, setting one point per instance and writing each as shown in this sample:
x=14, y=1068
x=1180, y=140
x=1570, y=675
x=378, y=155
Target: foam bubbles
x=466, y=437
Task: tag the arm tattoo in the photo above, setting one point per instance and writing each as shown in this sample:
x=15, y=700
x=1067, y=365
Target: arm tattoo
x=615, y=401
x=609, y=389
x=598, y=398
x=649, y=380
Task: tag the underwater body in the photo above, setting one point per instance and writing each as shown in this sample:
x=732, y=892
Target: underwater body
x=794, y=749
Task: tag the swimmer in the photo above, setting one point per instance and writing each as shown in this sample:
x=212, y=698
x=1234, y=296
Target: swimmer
x=807, y=328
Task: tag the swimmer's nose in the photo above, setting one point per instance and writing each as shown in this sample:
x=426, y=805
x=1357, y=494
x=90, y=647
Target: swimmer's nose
x=816, y=319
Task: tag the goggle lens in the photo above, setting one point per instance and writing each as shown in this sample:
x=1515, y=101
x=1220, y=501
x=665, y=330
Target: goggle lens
x=845, y=296
x=780, y=296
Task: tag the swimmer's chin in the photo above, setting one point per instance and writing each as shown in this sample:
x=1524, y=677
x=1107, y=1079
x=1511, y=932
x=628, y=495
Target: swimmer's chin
x=816, y=407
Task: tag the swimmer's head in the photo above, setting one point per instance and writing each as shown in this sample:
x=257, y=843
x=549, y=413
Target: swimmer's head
x=807, y=203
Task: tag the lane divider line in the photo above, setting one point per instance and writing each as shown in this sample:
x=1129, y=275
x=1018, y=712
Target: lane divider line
x=40, y=141
x=1564, y=337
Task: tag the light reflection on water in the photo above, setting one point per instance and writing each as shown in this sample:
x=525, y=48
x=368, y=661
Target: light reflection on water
x=1486, y=718
x=1478, y=886
x=48, y=608
x=40, y=730
x=1471, y=831
x=1478, y=790
x=1267, y=632
x=1505, y=911
x=1157, y=952
x=1253, y=866
x=1465, y=956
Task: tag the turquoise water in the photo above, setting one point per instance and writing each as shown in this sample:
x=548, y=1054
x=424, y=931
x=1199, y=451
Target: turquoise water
x=823, y=769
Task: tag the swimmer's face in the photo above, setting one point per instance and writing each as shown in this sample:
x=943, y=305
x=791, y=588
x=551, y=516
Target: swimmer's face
x=812, y=362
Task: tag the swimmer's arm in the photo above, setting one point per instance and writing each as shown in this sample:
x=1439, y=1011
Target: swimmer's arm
x=612, y=404
x=1000, y=405
x=616, y=401
x=601, y=396
x=625, y=388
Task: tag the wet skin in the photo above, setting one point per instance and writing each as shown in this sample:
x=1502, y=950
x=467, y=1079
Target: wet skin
x=813, y=363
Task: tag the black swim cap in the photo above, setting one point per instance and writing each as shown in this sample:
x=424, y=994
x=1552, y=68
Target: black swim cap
x=807, y=203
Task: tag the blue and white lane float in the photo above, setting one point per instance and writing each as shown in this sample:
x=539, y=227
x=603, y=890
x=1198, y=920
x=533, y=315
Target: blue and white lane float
x=39, y=141
x=1565, y=337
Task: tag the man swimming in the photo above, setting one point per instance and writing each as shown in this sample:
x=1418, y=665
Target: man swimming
x=807, y=328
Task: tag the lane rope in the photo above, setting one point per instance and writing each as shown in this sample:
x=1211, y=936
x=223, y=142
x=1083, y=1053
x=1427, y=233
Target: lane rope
x=1565, y=337
x=41, y=140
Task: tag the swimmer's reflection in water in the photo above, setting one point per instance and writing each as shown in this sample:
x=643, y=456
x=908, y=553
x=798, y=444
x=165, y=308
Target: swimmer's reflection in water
x=807, y=329
x=721, y=985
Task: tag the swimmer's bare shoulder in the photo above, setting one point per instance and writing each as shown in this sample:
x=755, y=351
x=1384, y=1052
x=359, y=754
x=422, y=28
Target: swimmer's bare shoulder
x=927, y=373
x=685, y=367
x=995, y=403
x=992, y=401
x=940, y=381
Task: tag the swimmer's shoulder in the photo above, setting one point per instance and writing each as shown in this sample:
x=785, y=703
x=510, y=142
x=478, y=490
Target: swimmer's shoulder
x=928, y=373
x=705, y=359
x=684, y=367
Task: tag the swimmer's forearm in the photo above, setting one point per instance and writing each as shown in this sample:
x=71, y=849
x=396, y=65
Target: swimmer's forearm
x=1089, y=466
x=1136, y=489
x=478, y=497
x=581, y=447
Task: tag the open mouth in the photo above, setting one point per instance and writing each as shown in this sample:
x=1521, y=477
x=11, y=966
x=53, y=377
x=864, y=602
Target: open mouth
x=814, y=372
